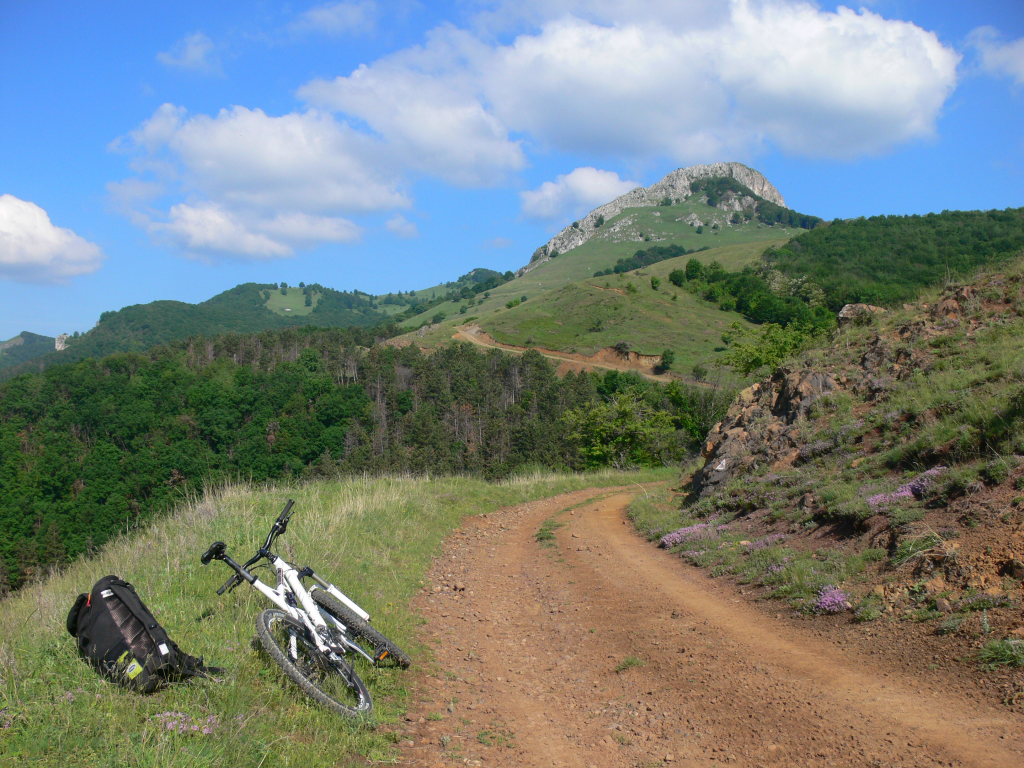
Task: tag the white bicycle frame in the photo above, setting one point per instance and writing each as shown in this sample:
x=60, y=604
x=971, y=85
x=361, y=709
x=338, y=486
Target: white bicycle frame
x=309, y=614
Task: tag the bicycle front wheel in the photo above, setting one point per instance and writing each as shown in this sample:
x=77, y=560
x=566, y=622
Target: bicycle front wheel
x=380, y=649
x=334, y=685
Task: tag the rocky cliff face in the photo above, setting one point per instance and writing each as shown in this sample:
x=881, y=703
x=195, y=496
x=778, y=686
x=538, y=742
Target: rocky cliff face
x=677, y=185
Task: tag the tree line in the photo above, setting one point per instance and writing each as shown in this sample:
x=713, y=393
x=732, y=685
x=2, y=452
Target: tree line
x=91, y=448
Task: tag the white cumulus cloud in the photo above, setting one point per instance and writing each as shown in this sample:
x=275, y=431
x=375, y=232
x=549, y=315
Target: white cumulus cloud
x=428, y=111
x=642, y=84
x=33, y=250
x=257, y=186
x=999, y=57
x=574, y=194
x=333, y=19
x=401, y=226
x=194, y=53
x=208, y=229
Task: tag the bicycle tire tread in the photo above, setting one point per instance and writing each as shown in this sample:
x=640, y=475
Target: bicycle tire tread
x=360, y=628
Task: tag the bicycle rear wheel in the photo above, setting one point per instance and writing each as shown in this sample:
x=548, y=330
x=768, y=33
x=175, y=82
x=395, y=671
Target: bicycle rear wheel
x=381, y=648
x=334, y=685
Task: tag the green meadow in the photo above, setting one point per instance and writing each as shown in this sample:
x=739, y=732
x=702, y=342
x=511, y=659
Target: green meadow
x=291, y=304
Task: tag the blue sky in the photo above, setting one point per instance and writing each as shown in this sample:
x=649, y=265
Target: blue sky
x=174, y=150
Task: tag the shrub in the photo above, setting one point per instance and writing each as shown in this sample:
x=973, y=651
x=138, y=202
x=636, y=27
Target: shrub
x=831, y=599
x=1002, y=653
x=513, y=303
x=655, y=282
x=438, y=317
x=677, y=277
x=913, y=546
x=630, y=288
x=995, y=472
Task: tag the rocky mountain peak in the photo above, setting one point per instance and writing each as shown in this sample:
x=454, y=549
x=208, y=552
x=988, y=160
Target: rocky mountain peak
x=676, y=185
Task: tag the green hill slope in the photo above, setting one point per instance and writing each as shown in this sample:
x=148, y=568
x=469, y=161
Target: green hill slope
x=374, y=538
x=563, y=318
x=246, y=308
x=886, y=260
x=23, y=347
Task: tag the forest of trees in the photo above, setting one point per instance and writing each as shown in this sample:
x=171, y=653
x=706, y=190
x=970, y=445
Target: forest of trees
x=239, y=310
x=91, y=448
x=887, y=260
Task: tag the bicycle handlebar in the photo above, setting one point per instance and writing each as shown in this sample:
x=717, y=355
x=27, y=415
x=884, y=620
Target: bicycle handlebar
x=231, y=583
x=218, y=551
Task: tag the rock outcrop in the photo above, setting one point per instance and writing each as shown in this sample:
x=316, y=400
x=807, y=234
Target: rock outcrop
x=760, y=426
x=676, y=186
x=857, y=313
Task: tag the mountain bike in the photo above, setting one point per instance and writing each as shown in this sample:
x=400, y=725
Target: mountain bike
x=311, y=633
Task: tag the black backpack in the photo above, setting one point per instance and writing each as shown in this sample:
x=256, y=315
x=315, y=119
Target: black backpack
x=119, y=637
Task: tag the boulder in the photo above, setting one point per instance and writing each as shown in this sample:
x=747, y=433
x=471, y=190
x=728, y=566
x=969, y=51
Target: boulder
x=857, y=314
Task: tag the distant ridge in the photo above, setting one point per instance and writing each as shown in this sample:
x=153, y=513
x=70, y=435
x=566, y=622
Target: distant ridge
x=676, y=185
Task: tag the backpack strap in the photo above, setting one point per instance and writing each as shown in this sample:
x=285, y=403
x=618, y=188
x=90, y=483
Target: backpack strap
x=73, y=614
x=189, y=666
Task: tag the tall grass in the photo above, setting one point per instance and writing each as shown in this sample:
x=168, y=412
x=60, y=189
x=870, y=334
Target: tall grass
x=373, y=537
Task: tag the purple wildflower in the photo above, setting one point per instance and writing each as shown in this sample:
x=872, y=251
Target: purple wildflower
x=915, y=489
x=767, y=541
x=690, y=533
x=831, y=599
x=182, y=723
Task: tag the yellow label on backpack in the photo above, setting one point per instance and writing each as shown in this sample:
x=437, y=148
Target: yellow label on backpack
x=132, y=670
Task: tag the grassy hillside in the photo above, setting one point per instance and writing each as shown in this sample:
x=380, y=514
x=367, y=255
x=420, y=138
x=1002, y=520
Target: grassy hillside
x=373, y=538
x=562, y=318
x=593, y=314
x=880, y=475
x=293, y=303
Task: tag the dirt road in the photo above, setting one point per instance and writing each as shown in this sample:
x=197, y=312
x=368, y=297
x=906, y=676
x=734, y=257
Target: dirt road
x=606, y=359
x=600, y=650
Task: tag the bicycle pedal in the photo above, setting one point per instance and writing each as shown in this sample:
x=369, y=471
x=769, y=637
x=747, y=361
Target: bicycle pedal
x=378, y=659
